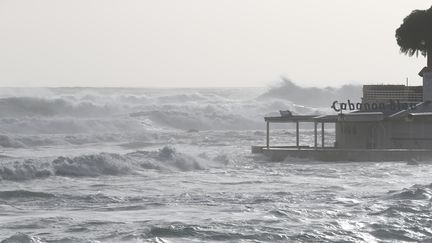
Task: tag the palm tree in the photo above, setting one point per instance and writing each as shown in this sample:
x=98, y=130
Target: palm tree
x=414, y=36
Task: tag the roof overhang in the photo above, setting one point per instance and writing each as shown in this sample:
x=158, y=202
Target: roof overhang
x=302, y=118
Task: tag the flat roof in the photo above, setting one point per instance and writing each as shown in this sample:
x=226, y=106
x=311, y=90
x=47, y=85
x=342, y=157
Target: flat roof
x=294, y=118
x=421, y=111
x=352, y=117
x=301, y=118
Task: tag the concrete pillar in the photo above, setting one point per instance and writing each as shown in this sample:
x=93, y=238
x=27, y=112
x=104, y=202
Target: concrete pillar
x=297, y=135
x=315, y=135
x=427, y=86
x=268, y=135
x=322, y=135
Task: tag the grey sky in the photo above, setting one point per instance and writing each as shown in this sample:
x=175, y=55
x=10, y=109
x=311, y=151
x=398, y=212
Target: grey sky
x=189, y=43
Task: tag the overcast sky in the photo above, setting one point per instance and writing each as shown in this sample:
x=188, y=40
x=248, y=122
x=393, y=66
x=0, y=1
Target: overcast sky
x=190, y=43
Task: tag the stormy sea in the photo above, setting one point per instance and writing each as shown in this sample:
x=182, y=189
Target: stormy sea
x=174, y=165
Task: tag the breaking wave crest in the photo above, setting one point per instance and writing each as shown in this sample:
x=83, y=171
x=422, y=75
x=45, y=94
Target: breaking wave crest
x=300, y=95
x=98, y=110
x=113, y=164
x=416, y=192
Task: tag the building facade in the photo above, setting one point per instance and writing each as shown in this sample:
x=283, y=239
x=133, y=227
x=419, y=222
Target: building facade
x=403, y=122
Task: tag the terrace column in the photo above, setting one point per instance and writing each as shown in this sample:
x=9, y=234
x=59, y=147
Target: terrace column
x=297, y=135
x=268, y=135
x=322, y=135
x=315, y=135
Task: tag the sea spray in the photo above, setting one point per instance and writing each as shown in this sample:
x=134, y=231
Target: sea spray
x=92, y=165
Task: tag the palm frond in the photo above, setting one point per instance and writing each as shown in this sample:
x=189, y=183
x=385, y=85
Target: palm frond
x=414, y=36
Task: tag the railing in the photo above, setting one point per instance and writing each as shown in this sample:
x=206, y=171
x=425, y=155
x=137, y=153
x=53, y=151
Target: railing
x=393, y=95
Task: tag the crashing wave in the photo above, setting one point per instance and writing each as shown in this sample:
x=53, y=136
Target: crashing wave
x=288, y=90
x=96, y=110
x=27, y=169
x=416, y=192
x=91, y=165
x=112, y=164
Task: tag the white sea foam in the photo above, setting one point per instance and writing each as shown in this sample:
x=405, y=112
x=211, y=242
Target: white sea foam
x=156, y=165
x=92, y=165
x=22, y=238
x=83, y=111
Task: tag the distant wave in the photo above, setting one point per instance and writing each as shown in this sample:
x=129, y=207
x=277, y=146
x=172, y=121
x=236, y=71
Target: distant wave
x=33, y=106
x=316, y=97
x=73, y=126
x=86, y=110
x=22, y=141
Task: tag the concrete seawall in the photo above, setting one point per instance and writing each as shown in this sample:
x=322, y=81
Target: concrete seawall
x=332, y=154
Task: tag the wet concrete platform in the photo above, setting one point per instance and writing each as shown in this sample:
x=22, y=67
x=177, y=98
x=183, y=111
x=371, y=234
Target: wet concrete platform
x=280, y=153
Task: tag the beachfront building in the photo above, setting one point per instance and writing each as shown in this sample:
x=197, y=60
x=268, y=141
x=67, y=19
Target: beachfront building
x=392, y=116
x=392, y=121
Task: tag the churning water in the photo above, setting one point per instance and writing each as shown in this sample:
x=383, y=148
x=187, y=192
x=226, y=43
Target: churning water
x=148, y=165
